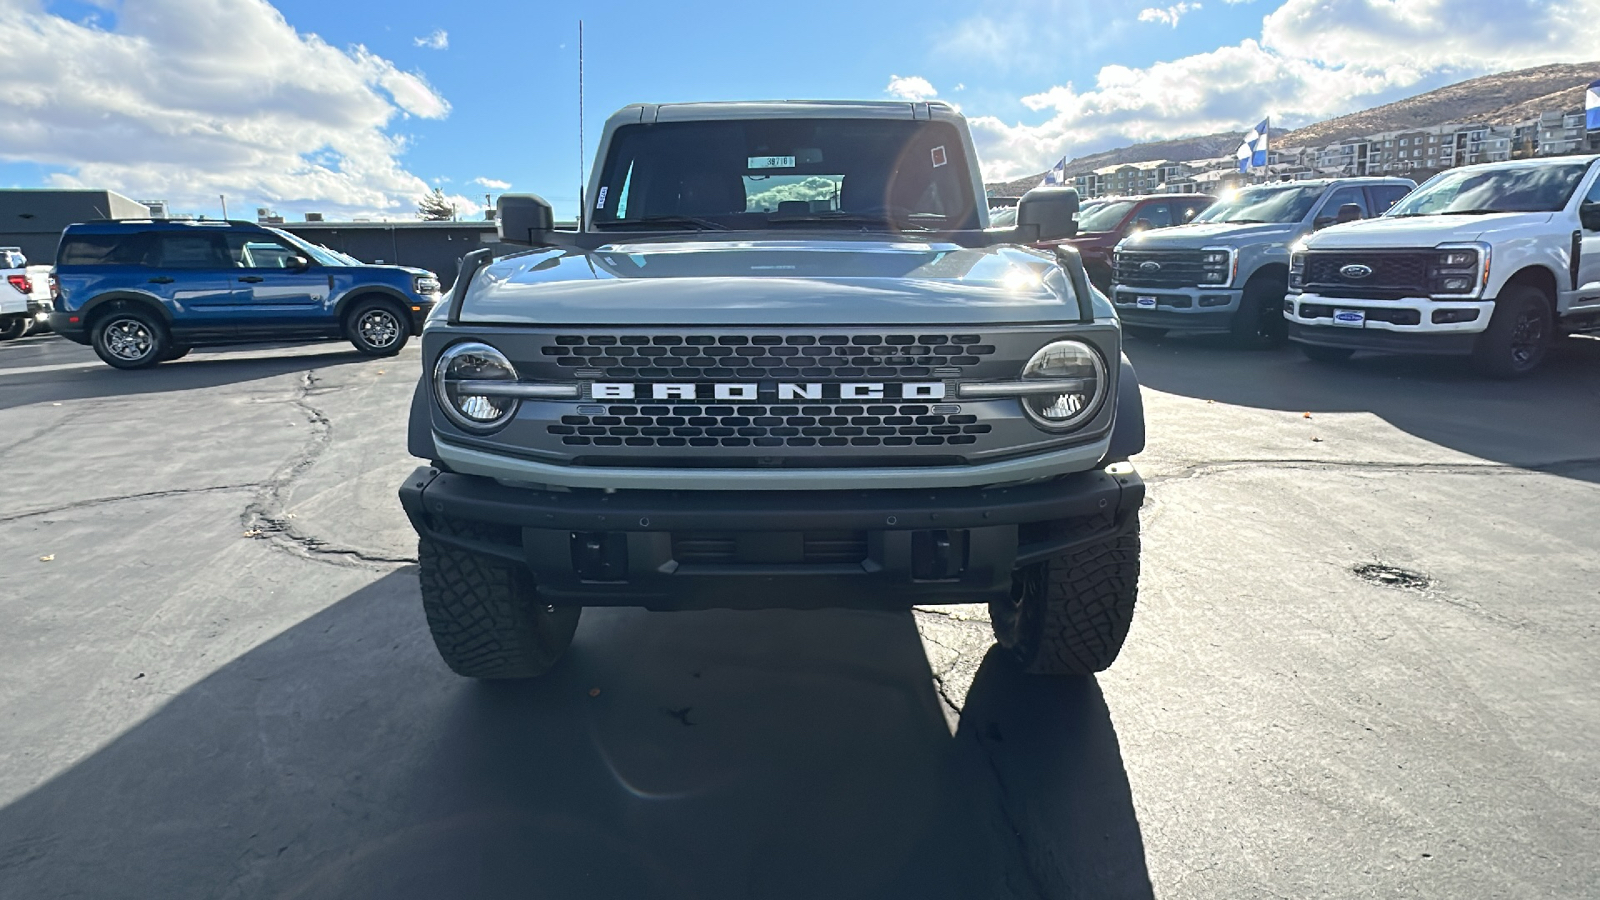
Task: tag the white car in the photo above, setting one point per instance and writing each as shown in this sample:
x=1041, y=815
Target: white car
x=18, y=307
x=1492, y=261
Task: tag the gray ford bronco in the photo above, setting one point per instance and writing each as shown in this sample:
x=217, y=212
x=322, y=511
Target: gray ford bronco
x=781, y=362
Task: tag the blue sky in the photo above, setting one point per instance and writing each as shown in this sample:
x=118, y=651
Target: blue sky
x=355, y=107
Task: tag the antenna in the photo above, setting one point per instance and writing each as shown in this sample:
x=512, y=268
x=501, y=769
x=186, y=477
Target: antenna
x=582, y=202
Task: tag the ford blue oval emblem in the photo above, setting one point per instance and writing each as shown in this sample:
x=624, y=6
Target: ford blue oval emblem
x=1149, y=266
x=1356, y=271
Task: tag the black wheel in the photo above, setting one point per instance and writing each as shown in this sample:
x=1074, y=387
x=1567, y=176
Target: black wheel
x=13, y=327
x=1326, y=354
x=1259, y=324
x=1070, y=614
x=130, y=338
x=1144, y=332
x=377, y=327
x=1519, y=334
x=486, y=618
x=175, y=353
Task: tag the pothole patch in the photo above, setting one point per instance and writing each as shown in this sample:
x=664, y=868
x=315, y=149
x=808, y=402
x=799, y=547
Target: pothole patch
x=1392, y=577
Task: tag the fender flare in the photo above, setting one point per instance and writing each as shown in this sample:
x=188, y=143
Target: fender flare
x=363, y=291
x=1127, y=435
x=145, y=301
x=419, y=427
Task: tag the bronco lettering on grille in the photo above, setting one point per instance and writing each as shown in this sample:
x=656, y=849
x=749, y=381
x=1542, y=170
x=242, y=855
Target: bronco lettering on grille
x=858, y=390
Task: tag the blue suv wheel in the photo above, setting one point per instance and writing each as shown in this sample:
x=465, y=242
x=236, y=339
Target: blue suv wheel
x=130, y=339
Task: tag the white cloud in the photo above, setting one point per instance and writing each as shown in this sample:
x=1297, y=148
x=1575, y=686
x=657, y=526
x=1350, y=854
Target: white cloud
x=438, y=40
x=910, y=87
x=1314, y=59
x=1169, y=15
x=493, y=184
x=170, y=103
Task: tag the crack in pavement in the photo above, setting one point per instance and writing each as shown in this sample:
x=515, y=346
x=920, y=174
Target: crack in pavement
x=1554, y=467
x=121, y=498
x=265, y=518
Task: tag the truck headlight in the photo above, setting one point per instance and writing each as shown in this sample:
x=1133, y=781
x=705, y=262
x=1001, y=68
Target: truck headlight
x=1072, y=385
x=1454, y=271
x=453, y=377
x=1216, y=266
x=427, y=284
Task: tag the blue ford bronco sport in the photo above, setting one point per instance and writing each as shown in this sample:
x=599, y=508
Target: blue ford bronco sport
x=142, y=292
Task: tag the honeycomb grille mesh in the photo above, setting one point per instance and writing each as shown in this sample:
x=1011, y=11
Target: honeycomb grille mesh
x=717, y=356
x=837, y=425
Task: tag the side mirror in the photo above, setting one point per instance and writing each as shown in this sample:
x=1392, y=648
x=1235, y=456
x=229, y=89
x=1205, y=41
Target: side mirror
x=1589, y=216
x=298, y=263
x=1051, y=210
x=1321, y=222
x=1350, y=212
x=520, y=216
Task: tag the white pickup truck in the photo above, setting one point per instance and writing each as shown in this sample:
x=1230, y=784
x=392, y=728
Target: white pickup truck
x=1492, y=261
x=18, y=307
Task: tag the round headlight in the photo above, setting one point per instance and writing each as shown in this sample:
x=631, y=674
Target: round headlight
x=453, y=379
x=1077, y=385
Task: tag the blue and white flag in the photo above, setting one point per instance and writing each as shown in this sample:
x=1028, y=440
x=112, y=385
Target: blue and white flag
x=1057, y=174
x=1257, y=139
x=1591, y=102
x=1243, y=155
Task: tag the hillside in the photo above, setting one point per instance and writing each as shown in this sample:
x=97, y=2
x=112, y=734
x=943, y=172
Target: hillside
x=1490, y=99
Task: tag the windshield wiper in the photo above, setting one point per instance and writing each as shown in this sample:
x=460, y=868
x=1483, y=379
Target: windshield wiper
x=1476, y=212
x=694, y=222
x=1242, y=222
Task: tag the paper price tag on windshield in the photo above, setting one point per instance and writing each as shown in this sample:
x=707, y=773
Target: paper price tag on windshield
x=771, y=162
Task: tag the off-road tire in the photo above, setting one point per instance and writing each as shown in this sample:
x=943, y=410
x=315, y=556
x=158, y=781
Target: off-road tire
x=1259, y=323
x=1070, y=614
x=130, y=338
x=1326, y=354
x=377, y=327
x=1519, y=333
x=1144, y=332
x=486, y=618
x=13, y=327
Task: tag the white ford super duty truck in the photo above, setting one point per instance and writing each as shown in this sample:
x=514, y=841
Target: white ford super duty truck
x=1492, y=261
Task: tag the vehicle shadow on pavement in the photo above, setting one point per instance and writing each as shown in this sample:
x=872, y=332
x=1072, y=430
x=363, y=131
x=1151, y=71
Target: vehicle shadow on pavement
x=1543, y=421
x=197, y=373
x=775, y=754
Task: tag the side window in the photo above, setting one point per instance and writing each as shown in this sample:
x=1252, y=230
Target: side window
x=131, y=249
x=1342, y=196
x=256, y=251
x=193, y=251
x=1159, y=215
x=1594, y=192
x=1385, y=196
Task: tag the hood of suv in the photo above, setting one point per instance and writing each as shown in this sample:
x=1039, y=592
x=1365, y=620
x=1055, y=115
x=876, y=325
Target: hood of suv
x=771, y=282
x=1210, y=234
x=1423, y=231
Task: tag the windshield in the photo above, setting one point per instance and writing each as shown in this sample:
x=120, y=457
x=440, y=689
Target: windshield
x=1004, y=217
x=1489, y=190
x=1264, y=204
x=318, y=253
x=1104, y=217
x=761, y=173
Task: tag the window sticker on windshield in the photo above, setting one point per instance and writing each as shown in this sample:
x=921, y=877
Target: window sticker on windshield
x=771, y=162
x=602, y=202
x=939, y=157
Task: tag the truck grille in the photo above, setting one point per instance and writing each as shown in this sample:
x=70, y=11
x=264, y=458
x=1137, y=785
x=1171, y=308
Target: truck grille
x=1394, y=275
x=820, y=425
x=713, y=356
x=1175, y=268
x=807, y=547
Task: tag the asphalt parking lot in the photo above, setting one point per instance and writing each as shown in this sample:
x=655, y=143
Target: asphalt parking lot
x=1366, y=663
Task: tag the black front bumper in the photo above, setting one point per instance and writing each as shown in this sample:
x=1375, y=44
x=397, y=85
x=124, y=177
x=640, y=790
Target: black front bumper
x=1445, y=344
x=798, y=549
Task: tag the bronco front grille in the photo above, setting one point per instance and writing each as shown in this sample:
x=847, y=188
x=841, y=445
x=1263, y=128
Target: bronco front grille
x=816, y=425
x=714, y=356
